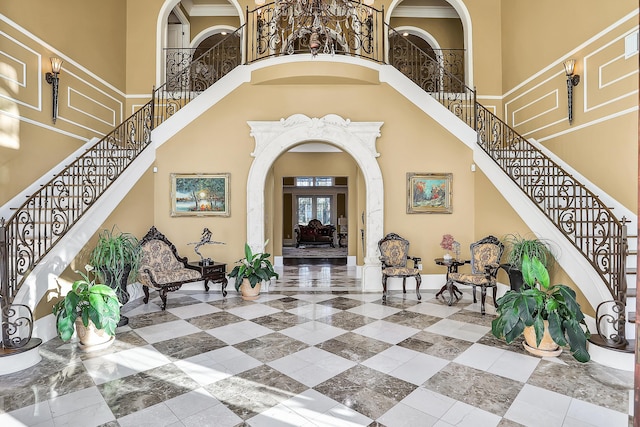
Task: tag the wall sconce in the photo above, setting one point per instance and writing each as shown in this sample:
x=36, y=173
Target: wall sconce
x=572, y=80
x=52, y=79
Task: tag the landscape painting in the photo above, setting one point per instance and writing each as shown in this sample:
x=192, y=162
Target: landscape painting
x=199, y=194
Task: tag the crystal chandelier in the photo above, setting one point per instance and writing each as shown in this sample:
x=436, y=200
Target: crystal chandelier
x=325, y=26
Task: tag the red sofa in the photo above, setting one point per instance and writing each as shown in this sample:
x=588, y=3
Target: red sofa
x=315, y=234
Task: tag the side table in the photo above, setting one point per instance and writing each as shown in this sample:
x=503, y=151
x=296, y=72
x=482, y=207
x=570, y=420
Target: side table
x=452, y=267
x=214, y=273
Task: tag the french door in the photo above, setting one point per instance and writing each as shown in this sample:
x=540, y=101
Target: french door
x=314, y=207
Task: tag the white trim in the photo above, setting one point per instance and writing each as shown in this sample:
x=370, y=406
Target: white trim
x=161, y=31
x=553, y=93
x=111, y=123
x=467, y=29
x=419, y=32
x=585, y=125
x=207, y=32
x=37, y=107
x=424, y=12
x=213, y=10
x=42, y=125
x=59, y=54
x=559, y=61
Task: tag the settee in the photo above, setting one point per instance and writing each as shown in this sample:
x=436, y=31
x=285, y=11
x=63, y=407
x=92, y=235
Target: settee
x=161, y=268
x=315, y=234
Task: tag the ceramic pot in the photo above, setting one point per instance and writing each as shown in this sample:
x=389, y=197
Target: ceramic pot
x=547, y=346
x=247, y=291
x=91, y=338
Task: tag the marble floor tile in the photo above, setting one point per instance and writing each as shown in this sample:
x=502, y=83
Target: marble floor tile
x=322, y=354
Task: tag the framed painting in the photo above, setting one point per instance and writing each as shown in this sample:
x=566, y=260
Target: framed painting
x=200, y=194
x=429, y=192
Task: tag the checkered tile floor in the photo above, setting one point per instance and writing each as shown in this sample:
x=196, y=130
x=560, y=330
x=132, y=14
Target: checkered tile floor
x=312, y=351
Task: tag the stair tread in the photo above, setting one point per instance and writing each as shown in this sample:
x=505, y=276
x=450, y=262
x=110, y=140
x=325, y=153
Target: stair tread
x=631, y=318
x=632, y=292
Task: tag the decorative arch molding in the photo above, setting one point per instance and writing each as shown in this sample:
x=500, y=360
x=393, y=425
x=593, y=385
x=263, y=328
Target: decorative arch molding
x=467, y=29
x=216, y=29
x=358, y=139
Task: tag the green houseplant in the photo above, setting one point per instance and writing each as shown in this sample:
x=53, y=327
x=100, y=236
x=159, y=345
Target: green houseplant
x=116, y=258
x=517, y=247
x=253, y=268
x=87, y=303
x=538, y=303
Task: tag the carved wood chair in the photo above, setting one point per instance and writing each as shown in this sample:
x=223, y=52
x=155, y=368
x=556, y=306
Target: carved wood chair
x=485, y=262
x=394, y=253
x=161, y=268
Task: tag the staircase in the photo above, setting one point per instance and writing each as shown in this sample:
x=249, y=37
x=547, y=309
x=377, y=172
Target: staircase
x=597, y=238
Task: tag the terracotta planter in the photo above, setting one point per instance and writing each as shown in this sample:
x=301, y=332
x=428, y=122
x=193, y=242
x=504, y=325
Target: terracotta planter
x=247, y=291
x=547, y=347
x=90, y=338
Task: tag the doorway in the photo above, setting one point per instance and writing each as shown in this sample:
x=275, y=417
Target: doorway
x=358, y=140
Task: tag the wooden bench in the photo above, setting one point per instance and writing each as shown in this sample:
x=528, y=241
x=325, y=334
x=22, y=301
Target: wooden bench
x=162, y=269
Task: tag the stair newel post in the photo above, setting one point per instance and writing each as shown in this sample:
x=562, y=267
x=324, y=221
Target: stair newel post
x=4, y=280
x=475, y=110
x=153, y=107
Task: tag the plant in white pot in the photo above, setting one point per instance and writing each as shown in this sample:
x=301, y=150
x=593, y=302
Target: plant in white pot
x=542, y=313
x=91, y=309
x=251, y=271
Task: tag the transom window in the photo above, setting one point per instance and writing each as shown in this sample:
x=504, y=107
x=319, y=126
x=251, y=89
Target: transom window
x=314, y=181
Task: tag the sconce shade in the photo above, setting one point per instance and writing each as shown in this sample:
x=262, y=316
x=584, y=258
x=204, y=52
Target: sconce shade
x=342, y=221
x=369, y=2
x=260, y=2
x=569, y=65
x=56, y=65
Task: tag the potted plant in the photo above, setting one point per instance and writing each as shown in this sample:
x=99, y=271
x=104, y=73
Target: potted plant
x=91, y=309
x=538, y=308
x=517, y=247
x=251, y=271
x=116, y=258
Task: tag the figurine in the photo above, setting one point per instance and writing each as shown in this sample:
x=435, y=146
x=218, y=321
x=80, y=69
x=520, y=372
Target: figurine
x=205, y=240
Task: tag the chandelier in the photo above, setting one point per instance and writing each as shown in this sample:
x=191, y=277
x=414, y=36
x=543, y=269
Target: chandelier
x=324, y=26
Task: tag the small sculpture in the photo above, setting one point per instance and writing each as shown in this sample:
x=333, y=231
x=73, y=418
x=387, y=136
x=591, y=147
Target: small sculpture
x=205, y=240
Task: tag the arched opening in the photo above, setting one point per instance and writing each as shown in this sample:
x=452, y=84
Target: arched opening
x=273, y=138
x=413, y=10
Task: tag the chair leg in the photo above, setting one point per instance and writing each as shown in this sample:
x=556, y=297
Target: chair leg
x=418, y=281
x=384, y=286
x=404, y=283
x=474, y=294
x=146, y=294
x=163, y=297
x=495, y=295
x=483, y=297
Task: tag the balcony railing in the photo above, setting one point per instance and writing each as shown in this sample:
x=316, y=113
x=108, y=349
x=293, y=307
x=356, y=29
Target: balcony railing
x=47, y=215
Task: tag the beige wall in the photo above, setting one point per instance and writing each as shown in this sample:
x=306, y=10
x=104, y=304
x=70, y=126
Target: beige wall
x=425, y=147
x=447, y=31
x=90, y=32
x=91, y=101
x=605, y=126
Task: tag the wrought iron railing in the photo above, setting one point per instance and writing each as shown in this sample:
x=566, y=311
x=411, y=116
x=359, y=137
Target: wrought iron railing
x=427, y=72
x=48, y=214
x=574, y=209
x=353, y=28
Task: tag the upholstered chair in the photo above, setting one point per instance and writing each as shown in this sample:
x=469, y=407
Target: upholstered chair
x=485, y=262
x=394, y=254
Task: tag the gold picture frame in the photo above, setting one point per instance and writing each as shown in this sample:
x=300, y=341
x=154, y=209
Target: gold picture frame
x=200, y=194
x=429, y=193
